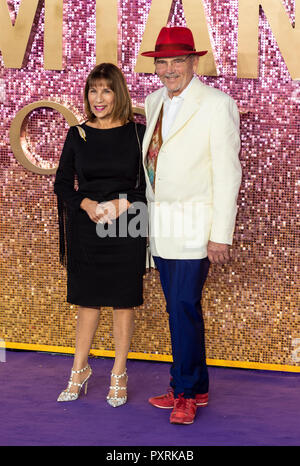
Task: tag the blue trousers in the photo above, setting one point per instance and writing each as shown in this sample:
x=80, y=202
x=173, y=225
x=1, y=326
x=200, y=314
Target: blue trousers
x=182, y=283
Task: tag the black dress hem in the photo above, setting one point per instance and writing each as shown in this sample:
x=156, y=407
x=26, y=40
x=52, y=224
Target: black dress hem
x=120, y=306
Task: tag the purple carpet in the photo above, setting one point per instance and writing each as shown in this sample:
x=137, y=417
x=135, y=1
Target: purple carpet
x=246, y=407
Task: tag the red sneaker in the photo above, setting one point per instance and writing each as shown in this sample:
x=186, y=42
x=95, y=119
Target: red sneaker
x=167, y=401
x=201, y=399
x=184, y=410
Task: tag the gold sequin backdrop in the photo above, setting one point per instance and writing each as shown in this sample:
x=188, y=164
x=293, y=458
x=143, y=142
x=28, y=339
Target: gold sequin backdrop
x=251, y=305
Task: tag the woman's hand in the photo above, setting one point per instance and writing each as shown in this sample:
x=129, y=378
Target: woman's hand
x=92, y=209
x=112, y=209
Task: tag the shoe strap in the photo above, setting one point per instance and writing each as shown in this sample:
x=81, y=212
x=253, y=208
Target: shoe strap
x=119, y=376
x=74, y=383
x=80, y=370
x=70, y=383
x=116, y=387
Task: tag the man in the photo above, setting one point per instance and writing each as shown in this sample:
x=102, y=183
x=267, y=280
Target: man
x=193, y=175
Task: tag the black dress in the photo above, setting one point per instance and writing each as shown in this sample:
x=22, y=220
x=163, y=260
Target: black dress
x=104, y=269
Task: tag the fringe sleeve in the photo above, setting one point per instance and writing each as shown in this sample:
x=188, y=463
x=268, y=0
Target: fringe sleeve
x=68, y=198
x=62, y=223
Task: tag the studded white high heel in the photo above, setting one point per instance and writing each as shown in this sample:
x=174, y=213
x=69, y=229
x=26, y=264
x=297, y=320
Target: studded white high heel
x=67, y=395
x=116, y=400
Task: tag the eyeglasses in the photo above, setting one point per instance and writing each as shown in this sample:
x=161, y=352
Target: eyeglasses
x=176, y=63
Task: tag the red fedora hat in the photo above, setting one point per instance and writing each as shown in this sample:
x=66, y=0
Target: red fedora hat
x=173, y=42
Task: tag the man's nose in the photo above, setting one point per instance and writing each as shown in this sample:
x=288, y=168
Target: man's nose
x=170, y=67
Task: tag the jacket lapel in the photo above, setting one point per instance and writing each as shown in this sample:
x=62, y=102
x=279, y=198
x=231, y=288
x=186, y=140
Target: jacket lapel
x=189, y=107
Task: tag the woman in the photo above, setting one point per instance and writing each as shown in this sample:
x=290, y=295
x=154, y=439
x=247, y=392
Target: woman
x=105, y=267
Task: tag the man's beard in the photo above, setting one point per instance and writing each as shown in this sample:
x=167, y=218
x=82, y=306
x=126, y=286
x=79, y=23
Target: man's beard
x=166, y=82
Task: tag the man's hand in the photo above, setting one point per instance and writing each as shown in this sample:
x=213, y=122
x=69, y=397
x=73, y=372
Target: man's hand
x=218, y=253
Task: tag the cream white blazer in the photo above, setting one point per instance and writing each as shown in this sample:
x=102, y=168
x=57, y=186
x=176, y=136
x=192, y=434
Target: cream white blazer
x=198, y=173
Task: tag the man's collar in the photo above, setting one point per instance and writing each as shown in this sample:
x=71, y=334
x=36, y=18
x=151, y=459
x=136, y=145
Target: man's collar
x=181, y=95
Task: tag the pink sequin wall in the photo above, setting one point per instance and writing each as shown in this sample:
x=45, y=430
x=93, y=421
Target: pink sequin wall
x=251, y=305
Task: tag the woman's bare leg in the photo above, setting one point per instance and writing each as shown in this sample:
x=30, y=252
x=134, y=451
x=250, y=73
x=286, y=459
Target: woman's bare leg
x=87, y=323
x=123, y=327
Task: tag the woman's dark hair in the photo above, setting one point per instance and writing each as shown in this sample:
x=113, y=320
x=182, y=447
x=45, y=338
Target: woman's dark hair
x=115, y=80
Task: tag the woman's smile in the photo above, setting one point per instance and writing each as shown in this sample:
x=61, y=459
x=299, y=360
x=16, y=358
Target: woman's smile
x=99, y=108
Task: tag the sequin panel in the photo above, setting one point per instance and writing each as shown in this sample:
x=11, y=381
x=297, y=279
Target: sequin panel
x=251, y=306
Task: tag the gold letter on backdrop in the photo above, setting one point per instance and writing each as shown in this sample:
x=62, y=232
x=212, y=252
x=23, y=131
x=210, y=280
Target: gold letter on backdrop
x=17, y=133
x=53, y=35
x=195, y=20
x=287, y=37
x=107, y=31
x=14, y=39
